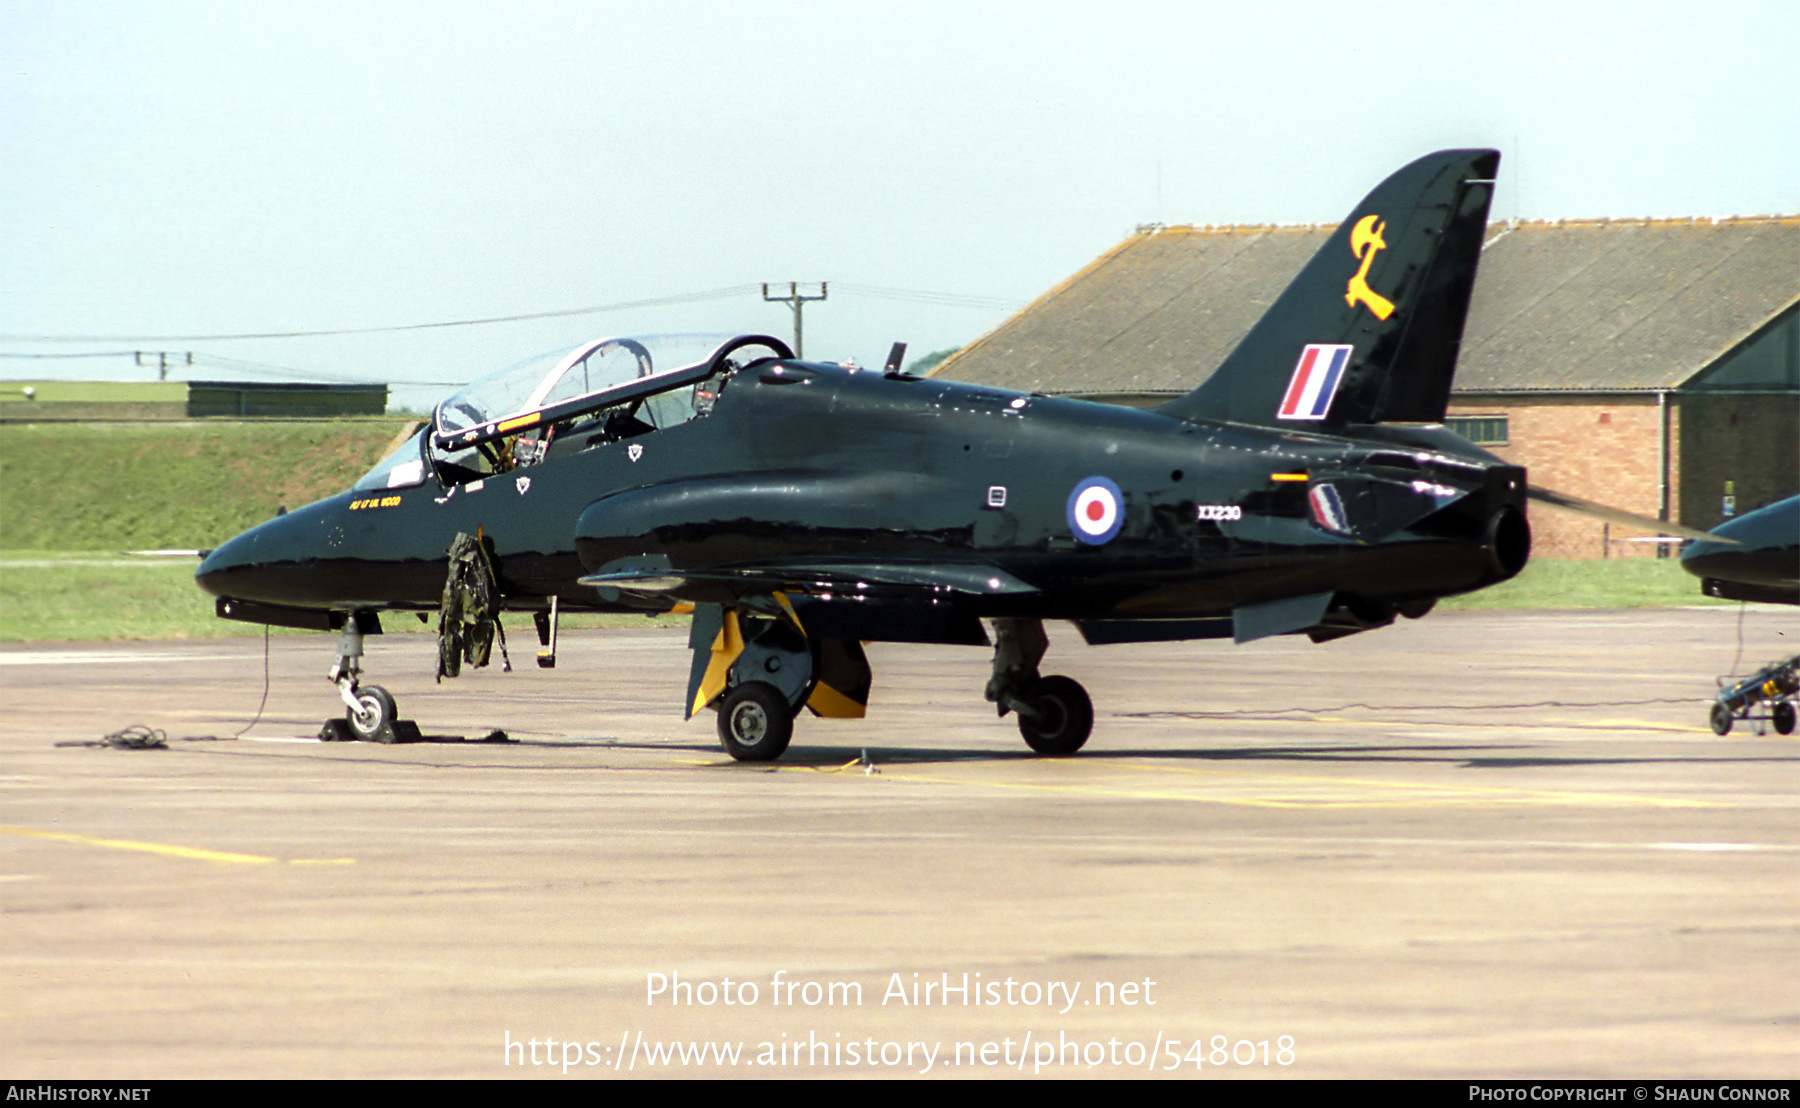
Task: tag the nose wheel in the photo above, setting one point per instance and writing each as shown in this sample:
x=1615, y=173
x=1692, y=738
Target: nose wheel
x=370, y=714
x=372, y=718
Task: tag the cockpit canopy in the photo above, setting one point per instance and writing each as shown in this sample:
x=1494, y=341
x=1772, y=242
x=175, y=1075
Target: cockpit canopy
x=601, y=374
x=603, y=389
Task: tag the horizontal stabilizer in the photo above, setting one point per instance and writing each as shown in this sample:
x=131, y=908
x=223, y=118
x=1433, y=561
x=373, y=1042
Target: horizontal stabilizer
x=1564, y=502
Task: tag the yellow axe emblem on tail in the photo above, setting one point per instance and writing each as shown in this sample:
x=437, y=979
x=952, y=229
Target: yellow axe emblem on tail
x=1365, y=243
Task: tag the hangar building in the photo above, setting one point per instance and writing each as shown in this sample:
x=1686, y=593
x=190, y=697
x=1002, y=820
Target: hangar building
x=1653, y=365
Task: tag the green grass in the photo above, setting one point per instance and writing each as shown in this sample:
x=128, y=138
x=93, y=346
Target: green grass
x=128, y=486
x=84, y=596
x=77, y=495
x=1609, y=583
x=147, y=598
x=94, y=392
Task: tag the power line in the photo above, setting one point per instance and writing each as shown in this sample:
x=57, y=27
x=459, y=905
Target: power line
x=82, y=354
x=951, y=299
x=683, y=298
x=796, y=299
x=239, y=365
x=879, y=292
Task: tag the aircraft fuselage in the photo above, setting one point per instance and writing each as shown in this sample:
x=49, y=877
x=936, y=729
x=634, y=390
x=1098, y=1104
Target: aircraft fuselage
x=827, y=465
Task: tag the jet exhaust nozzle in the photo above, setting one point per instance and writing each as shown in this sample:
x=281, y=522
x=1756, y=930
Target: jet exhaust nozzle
x=1507, y=542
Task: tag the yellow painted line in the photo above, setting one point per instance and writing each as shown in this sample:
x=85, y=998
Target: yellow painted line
x=221, y=857
x=1270, y=790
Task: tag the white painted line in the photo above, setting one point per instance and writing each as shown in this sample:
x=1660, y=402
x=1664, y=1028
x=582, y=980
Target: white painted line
x=85, y=657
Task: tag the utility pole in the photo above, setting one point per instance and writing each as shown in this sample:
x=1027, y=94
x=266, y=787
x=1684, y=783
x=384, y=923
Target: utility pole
x=162, y=360
x=794, y=298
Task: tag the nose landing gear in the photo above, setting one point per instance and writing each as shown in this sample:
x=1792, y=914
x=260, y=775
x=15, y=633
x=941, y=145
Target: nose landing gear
x=370, y=715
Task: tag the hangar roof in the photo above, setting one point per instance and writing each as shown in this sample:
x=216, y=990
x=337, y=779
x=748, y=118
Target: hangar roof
x=1601, y=305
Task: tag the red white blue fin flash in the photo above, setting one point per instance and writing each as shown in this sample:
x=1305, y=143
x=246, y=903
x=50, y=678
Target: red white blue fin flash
x=1315, y=381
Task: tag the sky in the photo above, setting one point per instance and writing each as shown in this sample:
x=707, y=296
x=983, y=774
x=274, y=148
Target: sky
x=175, y=173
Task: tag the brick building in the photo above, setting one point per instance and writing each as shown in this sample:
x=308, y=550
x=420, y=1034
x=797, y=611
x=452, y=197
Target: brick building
x=1652, y=365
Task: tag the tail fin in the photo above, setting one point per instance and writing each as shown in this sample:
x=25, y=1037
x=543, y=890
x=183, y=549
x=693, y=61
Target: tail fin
x=1369, y=330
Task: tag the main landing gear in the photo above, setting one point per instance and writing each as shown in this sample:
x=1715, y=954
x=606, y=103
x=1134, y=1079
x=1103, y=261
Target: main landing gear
x=755, y=722
x=1055, y=714
x=759, y=670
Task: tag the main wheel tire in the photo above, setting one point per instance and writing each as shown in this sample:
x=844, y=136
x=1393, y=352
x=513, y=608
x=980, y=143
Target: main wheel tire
x=755, y=722
x=374, y=721
x=1783, y=717
x=1721, y=719
x=1064, y=716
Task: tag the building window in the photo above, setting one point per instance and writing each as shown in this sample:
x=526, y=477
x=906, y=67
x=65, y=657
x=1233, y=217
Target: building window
x=1480, y=430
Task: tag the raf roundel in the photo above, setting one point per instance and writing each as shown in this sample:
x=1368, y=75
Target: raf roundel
x=1096, y=511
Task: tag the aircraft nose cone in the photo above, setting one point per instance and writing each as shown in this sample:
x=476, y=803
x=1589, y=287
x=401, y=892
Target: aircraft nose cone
x=226, y=570
x=215, y=567
x=1700, y=556
x=267, y=562
x=1763, y=548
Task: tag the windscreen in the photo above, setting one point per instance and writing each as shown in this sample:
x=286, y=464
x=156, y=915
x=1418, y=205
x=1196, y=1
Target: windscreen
x=403, y=468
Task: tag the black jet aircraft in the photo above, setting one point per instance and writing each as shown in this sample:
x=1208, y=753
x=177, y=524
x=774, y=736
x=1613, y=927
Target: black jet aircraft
x=803, y=509
x=1753, y=557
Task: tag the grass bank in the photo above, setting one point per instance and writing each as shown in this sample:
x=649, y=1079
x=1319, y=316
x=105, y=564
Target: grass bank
x=191, y=485
x=77, y=596
x=1613, y=583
